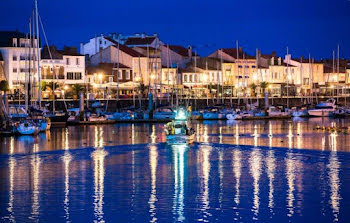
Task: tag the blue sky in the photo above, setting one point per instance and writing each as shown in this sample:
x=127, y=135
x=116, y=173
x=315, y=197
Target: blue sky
x=305, y=26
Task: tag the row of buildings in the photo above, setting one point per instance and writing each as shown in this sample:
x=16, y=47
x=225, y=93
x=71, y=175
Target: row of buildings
x=108, y=64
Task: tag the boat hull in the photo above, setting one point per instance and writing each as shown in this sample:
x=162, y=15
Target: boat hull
x=321, y=112
x=180, y=139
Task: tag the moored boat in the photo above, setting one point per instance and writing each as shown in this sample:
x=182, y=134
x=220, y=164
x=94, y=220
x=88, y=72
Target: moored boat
x=323, y=109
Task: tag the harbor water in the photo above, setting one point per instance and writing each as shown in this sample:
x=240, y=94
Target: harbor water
x=244, y=171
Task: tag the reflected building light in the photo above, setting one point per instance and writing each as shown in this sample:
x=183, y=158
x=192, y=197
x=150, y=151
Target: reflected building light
x=12, y=165
x=255, y=171
x=290, y=175
x=270, y=135
x=66, y=139
x=221, y=176
x=12, y=145
x=256, y=135
x=323, y=143
x=133, y=178
x=334, y=183
x=220, y=134
x=299, y=135
x=153, y=161
x=98, y=157
x=271, y=167
x=67, y=158
x=205, y=134
x=290, y=136
x=153, y=134
x=101, y=141
x=237, y=134
x=35, y=165
x=179, y=172
x=237, y=166
x=205, y=156
x=333, y=141
x=133, y=134
x=197, y=130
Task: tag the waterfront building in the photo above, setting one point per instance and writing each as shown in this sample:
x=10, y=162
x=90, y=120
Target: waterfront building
x=202, y=76
x=106, y=79
x=244, y=70
x=146, y=69
x=308, y=76
x=176, y=56
x=170, y=79
x=335, y=77
x=143, y=40
x=277, y=74
x=15, y=48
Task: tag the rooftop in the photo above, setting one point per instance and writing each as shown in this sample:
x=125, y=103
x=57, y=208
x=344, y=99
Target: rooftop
x=124, y=48
x=58, y=54
x=106, y=68
x=180, y=50
x=7, y=36
x=134, y=41
x=233, y=53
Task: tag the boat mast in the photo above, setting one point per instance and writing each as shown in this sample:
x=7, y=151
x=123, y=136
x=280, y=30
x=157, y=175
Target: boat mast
x=237, y=58
x=288, y=77
x=38, y=52
x=338, y=69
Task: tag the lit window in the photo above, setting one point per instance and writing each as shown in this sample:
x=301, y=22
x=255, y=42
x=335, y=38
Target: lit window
x=110, y=79
x=127, y=75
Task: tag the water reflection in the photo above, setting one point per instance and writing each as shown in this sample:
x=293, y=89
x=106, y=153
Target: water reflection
x=290, y=174
x=98, y=157
x=271, y=166
x=204, y=156
x=179, y=172
x=255, y=170
x=67, y=158
x=334, y=183
x=35, y=166
x=153, y=161
x=237, y=166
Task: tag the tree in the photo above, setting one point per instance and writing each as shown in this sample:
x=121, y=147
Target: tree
x=253, y=88
x=77, y=89
x=4, y=86
x=264, y=85
x=43, y=85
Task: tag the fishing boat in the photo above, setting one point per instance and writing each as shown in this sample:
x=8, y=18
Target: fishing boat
x=17, y=112
x=178, y=130
x=26, y=127
x=323, y=109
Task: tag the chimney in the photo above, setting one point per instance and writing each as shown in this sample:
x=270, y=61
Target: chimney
x=272, y=62
x=279, y=61
x=189, y=50
x=143, y=35
x=240, y=49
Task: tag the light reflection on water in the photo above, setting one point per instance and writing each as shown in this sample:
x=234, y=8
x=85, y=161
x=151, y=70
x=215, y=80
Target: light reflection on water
x=202, y=182
x=298, y=134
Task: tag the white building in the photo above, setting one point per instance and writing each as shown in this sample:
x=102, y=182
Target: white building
x=66, y=66
x=176, y=56
x=101, y=42
x=15, y=49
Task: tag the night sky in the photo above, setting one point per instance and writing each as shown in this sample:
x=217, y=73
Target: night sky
x=306, y=26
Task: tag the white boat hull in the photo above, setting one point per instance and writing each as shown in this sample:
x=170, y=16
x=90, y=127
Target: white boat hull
x=321, y=112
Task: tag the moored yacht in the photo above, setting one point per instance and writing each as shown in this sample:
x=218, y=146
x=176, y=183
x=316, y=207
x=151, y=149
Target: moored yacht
x=323, y=109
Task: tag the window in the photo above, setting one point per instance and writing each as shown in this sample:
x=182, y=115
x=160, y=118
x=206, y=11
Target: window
x=67, y=61
x=120, y=76
x=14, y=58
x=239, y=66
x=110, y=79
x=14, y=42
x=70, y=75
x=253, y=66
x=127, y=75
x=78, y=76
x=246, y=66
x=77, y=61
x=14, y=70
x=185, y=78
